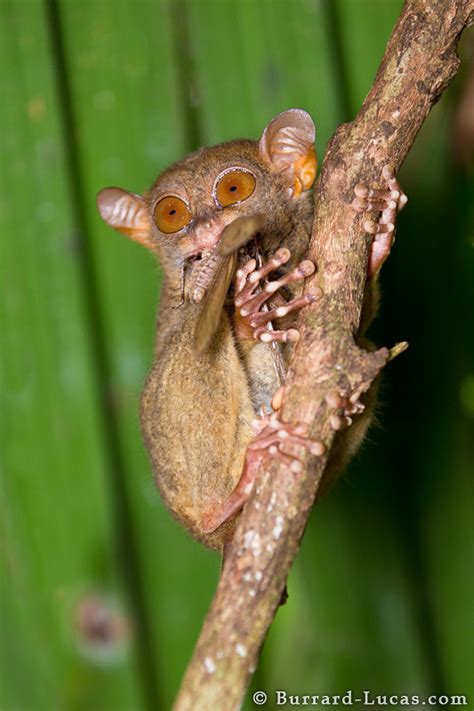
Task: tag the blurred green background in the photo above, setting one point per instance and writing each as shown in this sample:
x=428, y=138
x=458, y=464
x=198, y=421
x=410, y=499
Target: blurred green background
x=102, y=594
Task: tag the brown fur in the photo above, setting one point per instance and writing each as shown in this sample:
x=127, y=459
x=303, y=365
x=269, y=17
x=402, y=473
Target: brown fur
x=197, y=410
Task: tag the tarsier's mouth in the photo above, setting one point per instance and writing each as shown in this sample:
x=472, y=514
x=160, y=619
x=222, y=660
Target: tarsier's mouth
x=206, y=268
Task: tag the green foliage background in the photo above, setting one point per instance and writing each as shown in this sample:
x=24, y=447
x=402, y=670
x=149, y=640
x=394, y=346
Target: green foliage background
x=96, y=93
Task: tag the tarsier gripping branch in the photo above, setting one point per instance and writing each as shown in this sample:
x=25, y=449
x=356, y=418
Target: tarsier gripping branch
x=230, y=226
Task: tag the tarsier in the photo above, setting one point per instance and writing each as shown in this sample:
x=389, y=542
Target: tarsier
x=231, y=226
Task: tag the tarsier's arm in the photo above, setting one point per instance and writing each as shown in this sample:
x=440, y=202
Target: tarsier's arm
x=216, y=362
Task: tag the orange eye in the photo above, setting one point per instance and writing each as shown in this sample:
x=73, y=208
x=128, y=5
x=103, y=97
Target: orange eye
x=171, y=214
x=234, y=186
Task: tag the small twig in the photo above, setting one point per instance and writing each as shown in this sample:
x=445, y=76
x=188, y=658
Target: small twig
x=419, y=62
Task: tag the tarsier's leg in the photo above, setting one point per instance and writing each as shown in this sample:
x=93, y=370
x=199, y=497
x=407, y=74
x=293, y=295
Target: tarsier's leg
x=274, y=439
x=388, y=203
x=251, y=298
x=348, y=407
x=350, y=415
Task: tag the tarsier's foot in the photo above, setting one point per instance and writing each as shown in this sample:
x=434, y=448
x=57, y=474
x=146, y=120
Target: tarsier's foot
x=344, y=408
x=274, y=439
x=251, y=298
x=388, y=202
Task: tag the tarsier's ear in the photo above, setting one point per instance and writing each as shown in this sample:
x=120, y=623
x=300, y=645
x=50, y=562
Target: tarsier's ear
x=288, y=144
x=127, y=213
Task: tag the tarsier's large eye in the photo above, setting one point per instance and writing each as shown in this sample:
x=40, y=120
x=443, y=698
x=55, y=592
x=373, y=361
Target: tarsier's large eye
x=171, y=214
x=234, y=186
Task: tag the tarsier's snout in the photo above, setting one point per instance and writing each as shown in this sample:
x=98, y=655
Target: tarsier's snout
x=212, y=259
x=204, y=234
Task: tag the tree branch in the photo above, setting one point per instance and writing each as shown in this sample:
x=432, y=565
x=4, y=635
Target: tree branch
x=419, y=62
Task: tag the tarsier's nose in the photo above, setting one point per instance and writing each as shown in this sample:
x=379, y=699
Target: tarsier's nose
x=207, y=231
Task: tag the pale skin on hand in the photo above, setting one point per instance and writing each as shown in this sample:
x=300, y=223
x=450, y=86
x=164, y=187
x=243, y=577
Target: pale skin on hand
x=202, y=403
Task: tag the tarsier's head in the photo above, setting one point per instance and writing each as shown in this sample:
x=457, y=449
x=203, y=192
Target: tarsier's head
x=184, y=214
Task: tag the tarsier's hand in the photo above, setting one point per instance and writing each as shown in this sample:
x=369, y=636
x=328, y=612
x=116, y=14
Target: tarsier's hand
x=388, y=204
x=251, y=297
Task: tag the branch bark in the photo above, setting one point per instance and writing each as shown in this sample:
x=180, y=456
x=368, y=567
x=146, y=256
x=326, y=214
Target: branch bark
x=419, y=62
